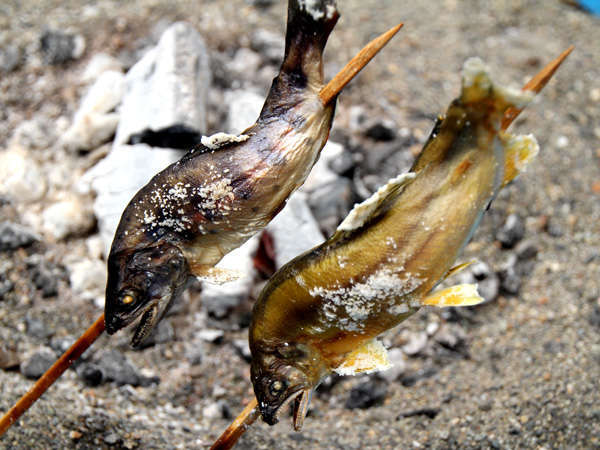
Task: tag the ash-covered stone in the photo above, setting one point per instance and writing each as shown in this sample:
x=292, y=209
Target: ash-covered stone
x=71, y=216
x=488, y=283
x=95, y=122
x=367, y=394
x=13, y=236
x=244, y=107
x=268, y=43
x=296, y=220
x=511, y=232
x=10, y=58
x=35, y=366
x=23, y=181
x=168, y=86
x=58, y=47
x=397, y=360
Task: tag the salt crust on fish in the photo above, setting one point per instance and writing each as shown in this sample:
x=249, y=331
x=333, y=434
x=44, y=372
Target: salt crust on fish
x=217, y=140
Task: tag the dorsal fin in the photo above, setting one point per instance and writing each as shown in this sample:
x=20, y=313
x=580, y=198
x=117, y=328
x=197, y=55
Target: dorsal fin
x=375, y=204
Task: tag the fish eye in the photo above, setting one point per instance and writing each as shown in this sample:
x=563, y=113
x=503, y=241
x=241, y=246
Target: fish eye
x=276, y=387
x=127, y=299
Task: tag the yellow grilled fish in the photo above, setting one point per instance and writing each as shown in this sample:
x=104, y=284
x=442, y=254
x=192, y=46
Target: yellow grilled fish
x=323, y=311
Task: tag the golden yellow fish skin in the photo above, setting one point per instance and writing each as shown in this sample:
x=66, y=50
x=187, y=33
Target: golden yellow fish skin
x=362, y=282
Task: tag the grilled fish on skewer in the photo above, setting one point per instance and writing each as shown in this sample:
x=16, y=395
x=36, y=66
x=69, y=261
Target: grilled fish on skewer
x=220, y=194
x=323, y=311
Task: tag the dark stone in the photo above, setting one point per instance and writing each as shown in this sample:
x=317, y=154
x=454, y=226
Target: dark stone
x=38, y=363
x=58, y=47
x=262, y=3
x=13, y=236
x=243, y=349
x=554, y=229
x=10, y=58
x=370, y=393
x=331, y=202
x=117, y=368
x=526, y=250
x=343, y=165
x=90, y=373
x=510, y=281
x=37, y=328
x=430, y=413
x=381, y=131
x=45, y=277
x=511, y=232
x=410, y=379
x=595, y=317
x=179, y=136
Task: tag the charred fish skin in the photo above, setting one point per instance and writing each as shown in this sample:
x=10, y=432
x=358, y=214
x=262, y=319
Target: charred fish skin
x=390, y=252
x=227, y=189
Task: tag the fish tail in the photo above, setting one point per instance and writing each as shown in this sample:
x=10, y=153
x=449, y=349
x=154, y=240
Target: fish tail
x=309, y=24
x=477, y=86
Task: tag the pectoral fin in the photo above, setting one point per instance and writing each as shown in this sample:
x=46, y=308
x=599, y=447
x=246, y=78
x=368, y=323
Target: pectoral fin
x=459, y=295
x=369, y=357
x=518, y=151
x=215, y=275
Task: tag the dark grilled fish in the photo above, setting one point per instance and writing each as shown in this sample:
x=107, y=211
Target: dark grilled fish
x=227, y=189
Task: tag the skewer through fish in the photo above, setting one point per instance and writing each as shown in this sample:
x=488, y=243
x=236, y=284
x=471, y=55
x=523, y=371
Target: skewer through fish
x=226, y=190
x=322, y=312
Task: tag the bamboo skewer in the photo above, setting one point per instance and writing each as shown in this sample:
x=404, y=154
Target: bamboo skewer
x=536, y=84
x=355, y=65
x=230, y=436
x=50, y=376
x=241, y=423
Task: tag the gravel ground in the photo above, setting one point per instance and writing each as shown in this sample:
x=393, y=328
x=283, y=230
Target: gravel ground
x=526, y=372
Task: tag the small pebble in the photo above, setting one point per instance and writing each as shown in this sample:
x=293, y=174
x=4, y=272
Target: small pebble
x=511, y=232
x=367, y=394
x=38, y=363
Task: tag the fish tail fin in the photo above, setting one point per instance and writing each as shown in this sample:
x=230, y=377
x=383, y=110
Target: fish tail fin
x=477, y=86
x=459, y=295
x=309, y=24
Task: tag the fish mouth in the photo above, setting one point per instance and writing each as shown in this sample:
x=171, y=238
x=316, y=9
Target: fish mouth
x=147, y=322
x=301, y=403
x=301, y=399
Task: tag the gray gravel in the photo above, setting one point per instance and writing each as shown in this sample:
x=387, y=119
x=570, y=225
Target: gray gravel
x=523, y=369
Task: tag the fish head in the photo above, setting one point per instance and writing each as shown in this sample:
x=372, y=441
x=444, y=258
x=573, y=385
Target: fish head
x=284, y=373
x=143, y=282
